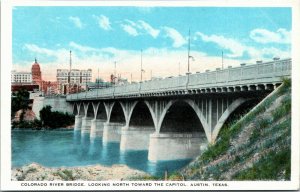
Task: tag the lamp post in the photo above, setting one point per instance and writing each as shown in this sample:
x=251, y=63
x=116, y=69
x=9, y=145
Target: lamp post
x=115, y=73
x=141, y=65
x=98, y=79
x=189, y=56
x=69, y=77
x=189, y=53
x=222, y=61
x=86, y=81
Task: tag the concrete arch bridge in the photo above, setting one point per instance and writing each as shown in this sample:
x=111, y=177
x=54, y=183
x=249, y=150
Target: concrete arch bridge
x=175, y=117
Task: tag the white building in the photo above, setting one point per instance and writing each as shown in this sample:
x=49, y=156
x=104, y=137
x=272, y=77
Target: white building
x=21, y=77
x=77, y=77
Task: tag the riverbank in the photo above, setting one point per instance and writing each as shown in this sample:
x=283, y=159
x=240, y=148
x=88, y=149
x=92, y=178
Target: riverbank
x=36, y=172
x=30, y=127
x=48, y=119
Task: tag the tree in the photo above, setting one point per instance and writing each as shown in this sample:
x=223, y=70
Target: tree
x=55, y=119
x=20, y=100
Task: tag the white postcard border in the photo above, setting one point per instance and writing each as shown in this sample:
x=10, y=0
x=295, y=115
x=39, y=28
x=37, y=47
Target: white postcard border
x=6, y=65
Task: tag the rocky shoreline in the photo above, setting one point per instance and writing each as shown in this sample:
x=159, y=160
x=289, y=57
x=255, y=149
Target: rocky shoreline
x=36, y=172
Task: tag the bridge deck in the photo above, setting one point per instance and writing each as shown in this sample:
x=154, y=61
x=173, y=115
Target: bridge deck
x=210, y=81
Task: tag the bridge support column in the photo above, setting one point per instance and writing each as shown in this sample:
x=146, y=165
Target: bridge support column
x=112, y=132
x=174, y=146
x=78, y=123
x=86, y=125
x=97, y=126
x=135, y=138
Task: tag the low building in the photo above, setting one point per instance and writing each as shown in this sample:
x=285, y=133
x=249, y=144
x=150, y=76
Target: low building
x=21, y=77
x=50, y=87
x=28, y=87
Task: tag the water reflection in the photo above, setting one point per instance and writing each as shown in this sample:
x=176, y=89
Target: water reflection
x=68, y=148
x=95, y=146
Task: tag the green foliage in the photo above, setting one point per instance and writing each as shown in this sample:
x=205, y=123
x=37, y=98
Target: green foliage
x=286, y=86
x=146, y=178
x=35, y=124
x=66, y=175
x=55, y=119
x=219, y=148
x=31, y=170
x=20, y=100
x=287, y=82
x=283, y=110
x=273, y=166
x=176, y=176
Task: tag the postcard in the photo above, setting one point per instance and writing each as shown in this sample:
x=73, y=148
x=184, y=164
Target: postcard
x=149, y=95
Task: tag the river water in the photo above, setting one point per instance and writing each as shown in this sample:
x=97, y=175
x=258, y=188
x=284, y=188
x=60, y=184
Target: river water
x=61, y=147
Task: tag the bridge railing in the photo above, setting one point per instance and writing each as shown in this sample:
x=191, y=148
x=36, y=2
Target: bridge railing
x=237, y=75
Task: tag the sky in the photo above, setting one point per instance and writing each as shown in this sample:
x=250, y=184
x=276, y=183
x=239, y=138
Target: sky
x=99, y=37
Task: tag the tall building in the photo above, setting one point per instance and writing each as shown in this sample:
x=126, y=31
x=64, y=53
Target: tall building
x=36, y=74
x=67, y=80
x=21, y=77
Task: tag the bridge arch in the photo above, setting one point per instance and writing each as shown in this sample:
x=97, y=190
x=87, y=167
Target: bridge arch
x=81, y=109
x=234, y=105
x=128, y=109
x=75, y=109
x=141, y=116
x=89, y=110
x=117, y=114
x=100, y=111
x=191, y=116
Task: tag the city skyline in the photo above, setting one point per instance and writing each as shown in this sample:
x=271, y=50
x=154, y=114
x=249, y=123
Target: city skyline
x=100, y=36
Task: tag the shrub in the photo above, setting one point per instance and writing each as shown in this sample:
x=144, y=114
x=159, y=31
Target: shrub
x=55, y=119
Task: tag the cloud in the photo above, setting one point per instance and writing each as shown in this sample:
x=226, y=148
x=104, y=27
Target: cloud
x=149, y=29
x=130, y=30
x=104, y=22
x=139, y=28
x=36, y=49
x=161, y=62
x=81, y=47
x=238, y=49
x=145, y=10
x=76, y=21
x=156, y=61
x=178, y=39
x=265, y=36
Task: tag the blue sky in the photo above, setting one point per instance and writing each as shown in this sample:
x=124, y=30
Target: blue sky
x=98, y=36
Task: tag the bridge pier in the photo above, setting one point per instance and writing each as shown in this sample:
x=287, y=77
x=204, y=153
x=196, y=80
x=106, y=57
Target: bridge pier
x=78, y=123
x=86, y=125
x=97, y=126
x=174, y=146
x=135, y=138
x=112, y=132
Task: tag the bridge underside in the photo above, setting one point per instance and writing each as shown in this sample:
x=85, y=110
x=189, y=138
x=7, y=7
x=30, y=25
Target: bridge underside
x=163, y=125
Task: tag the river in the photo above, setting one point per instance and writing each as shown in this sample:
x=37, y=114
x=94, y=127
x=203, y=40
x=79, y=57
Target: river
x=64, y=147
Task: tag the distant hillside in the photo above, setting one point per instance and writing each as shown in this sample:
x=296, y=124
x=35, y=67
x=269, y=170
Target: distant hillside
x=257, y=147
